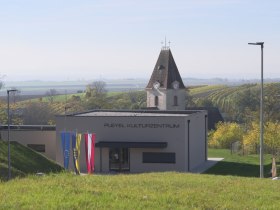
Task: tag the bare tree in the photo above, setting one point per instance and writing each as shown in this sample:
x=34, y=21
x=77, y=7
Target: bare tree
x=96, y=95
x=50, y=94
x=95, y=89
x=1, y=81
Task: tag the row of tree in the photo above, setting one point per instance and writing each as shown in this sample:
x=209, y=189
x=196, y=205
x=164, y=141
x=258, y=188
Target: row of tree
x=247, y=135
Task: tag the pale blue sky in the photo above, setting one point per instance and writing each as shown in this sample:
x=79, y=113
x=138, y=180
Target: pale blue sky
x=83, y=39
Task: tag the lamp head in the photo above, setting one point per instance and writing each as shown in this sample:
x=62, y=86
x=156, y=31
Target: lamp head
x=256, y=43
x=11, y=90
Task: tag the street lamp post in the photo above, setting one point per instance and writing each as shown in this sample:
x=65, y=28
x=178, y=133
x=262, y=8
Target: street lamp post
x=261, y=110
x=9, y=152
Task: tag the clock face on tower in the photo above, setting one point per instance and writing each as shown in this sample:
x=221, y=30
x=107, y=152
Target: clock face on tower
x=156, y=85
x=175, y=85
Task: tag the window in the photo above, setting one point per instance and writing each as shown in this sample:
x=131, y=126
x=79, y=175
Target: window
x=175, y=101
x=156, y=100
x=159, y=157
x=37, y=147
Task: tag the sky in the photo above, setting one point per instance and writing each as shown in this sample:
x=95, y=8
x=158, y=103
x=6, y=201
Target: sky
x=64, y=40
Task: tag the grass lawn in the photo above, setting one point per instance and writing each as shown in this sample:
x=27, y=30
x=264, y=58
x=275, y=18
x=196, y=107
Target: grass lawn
x=139, y=191
x=239, y=165
x=169, y=190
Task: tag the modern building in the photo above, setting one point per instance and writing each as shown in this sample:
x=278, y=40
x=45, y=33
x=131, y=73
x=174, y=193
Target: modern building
x=139, y=141
x=41, y=138
x=167, y=139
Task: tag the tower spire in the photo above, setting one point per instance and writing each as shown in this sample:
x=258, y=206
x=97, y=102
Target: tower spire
x=165, y=47
x=166, y=90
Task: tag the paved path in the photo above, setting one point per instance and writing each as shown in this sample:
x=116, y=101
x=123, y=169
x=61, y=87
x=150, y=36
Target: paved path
x=208, y=164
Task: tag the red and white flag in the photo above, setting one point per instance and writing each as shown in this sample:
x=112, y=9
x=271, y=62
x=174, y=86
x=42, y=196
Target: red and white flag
x=90, y=143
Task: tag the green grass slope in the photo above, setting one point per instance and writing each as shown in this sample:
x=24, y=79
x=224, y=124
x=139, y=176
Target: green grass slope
x=24, y=161
x=139, y=191
x=170, y=190
x=237, y=164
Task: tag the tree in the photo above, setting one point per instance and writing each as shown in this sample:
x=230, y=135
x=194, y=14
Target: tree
x=37, y=114
x=1, y=81
x=50, y=94
x=137, y=99
x=271, y=137
x=245, y=104
x=95, y=97
x=225, y=135
x=74, y=104
x=272, y=102
x=96, y=89
x=251, y=138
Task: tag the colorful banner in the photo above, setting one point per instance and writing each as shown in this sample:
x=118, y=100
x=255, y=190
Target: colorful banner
x=89, y=143
x=65, y=142
x=76, y=142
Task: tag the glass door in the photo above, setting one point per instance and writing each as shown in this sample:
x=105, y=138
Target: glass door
x=119, y=159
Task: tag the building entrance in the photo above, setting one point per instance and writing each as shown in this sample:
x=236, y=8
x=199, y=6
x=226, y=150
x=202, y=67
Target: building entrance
x=119, y=159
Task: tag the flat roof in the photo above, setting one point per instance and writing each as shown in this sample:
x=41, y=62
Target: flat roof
x=135, y=113
x=130, y=114
x=29, y=127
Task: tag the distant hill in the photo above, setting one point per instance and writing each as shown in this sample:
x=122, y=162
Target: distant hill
x=39, y=88
x=24, y=161
x=224, y=81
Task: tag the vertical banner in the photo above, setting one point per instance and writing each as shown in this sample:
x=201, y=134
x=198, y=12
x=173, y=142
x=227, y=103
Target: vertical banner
x=89, y=143
x=74, y=151
x=78, y=147
x=65, y=143
x=76, y=142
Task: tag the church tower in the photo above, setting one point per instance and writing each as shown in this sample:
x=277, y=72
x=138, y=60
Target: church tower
x=166, y=90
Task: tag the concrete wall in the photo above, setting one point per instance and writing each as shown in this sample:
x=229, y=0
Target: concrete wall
x=198, y=139
x=161, y=93
x=175, y=137
x=166, y=98
x=181, y=96
x=24, y=137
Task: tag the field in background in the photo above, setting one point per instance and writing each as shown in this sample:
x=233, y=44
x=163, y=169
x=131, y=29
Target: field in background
x=204, y=90
x=114, y=85
x=39, y=88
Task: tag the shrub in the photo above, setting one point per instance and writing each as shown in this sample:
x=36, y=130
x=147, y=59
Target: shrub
x=225, y=135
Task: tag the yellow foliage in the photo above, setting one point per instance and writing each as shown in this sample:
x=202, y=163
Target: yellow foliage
x=271, y=136
x=225, y=134
x=251, y=137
